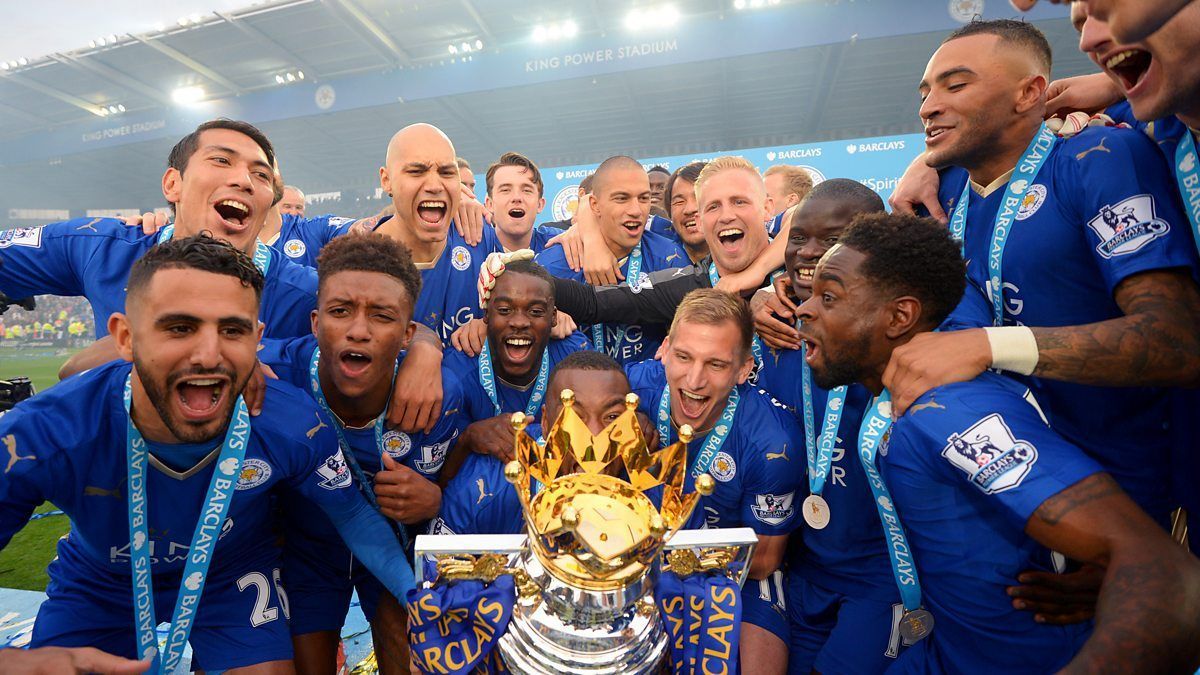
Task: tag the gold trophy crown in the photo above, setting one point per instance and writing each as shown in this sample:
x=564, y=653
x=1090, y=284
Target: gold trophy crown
x=587, y=526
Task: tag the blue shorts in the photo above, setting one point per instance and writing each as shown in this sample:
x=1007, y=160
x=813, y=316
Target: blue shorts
x=242, y=620
x=764, y=604
x=320, y=578
x=835, y=633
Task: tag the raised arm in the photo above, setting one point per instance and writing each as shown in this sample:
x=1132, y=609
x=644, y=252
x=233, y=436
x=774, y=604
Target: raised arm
x=417, y=391
x=1148, y=614
x=620, y=304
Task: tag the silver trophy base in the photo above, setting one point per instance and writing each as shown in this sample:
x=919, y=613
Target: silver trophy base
x=572, y=630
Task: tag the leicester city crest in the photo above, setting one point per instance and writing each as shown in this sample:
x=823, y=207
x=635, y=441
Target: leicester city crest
x=294, y=248
x=396, y=444
x=254, y=472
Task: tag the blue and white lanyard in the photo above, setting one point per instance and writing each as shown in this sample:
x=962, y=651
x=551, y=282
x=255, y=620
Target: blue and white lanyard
x=360, y=477
x=204, y=539
x=487, y=378
x=715, y=438
x=1023, y=176
x=755, y=346
x=1187, y=176
x=874, y=429
x=262, y=253
x=820, y=455
x=633, y=275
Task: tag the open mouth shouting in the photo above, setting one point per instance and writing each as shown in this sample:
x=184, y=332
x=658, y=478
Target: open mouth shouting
x=731, y=238
x=693, y=406
x=201, y=397
x=432, y=211
x=516, y=213
x=518, y=351
x=234, y=213
x=354, y=362
x=1129, y=65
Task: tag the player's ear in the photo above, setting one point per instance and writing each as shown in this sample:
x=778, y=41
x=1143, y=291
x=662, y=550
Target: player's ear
x=553, y=316
x=541, y=204
x=904, y=316
x=487, y=203
x=172, y=185
x=385, y=181
x=258, y=336
x=593, y=203
x=409, y=332
x=122, y=334
x=745, y=369
x=313, y=319
x=1031, y=94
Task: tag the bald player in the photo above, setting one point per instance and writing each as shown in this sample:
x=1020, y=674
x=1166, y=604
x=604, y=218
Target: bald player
x=421, y=175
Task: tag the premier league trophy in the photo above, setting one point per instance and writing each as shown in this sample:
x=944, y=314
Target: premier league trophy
x=599, y=583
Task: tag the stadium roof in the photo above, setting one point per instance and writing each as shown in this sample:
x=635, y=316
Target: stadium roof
x=837, y=86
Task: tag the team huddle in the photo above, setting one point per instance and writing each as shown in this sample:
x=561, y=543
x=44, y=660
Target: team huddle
x=957, y=428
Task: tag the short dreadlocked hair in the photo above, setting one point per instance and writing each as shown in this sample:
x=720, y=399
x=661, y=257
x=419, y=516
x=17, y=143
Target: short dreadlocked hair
x=907, y=255
x=369, y=253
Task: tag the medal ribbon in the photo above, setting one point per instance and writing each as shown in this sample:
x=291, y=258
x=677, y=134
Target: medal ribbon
x=755, y=346
x=204, y=539
x=487, y=378
x=872, y=433
x=360, y=476
x=633, y=274
x=1187, y=176
x=1023, y=176
x=715, y=438
x=820, y=455
x=262, y=253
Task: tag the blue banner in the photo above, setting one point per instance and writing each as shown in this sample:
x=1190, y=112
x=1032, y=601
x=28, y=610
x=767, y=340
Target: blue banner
x=453, y=628
x=875, y=162
x=702, y=615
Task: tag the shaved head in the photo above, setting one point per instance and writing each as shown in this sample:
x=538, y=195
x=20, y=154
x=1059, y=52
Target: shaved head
x=416, y=134
x=610, y=166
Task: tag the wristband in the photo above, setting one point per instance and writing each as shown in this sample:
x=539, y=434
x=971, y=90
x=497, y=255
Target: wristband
x=1013, y=348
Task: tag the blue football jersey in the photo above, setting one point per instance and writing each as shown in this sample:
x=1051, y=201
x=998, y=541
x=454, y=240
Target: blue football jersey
x=967, y=466
x=301, y=239
x=1085, y=224
x=92, y=257
x=759, y=471
x=663, y=228
x=848, y=555
x=67, y=446
x=476, y=404
x=478, y=500
x=775, y=224
x=421, y=452
x=540, y=235
x=449, y=287
x=638, y=342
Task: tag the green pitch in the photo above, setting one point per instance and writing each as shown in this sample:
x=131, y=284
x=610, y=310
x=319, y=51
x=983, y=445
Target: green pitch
x=23, y=562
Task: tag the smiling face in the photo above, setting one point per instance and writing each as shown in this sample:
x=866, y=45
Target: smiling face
x=703, y=363
x=967, y=95
x=1159, y=75
x=733, y=208
x=226, y=188
x=685, y=213
x=519, y=317
x=844, y=322
x=361, y=323
x=515, y=200
x=1134, y=19
x=816, y=226
x=621, y=204
x=422, y=177
x=193, y=339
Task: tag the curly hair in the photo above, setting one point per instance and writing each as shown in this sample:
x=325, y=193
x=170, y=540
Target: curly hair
x=907, y=255
x=199, y=252
x=369, y=253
